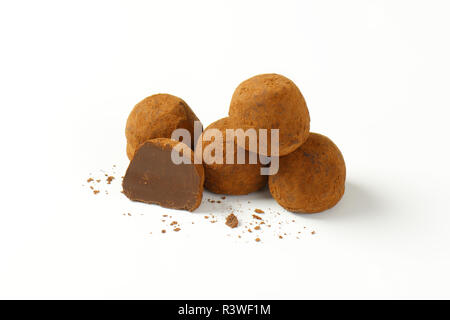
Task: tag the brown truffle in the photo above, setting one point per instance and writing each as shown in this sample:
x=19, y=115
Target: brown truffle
x=230, y=178
x=158, y=116
x=271, y=101
x=153, y=177
x=310, y=179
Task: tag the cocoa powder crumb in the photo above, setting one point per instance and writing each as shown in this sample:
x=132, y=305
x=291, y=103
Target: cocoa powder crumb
x=313, y=232
x=90, y=180
x=163, y=231
x=173, y=223
x=232, y=221
x=176, y=229
x=96, y=191
x=257, y=228
x=259, y=211
x=109, y=179
x=257, y=239
x=257, y=217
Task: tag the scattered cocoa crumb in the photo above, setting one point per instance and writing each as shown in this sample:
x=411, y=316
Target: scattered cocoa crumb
x=223, y=198
x=90, y=180
x=259, y=211
x=96, y=191
x=232, y=221
x=165, y=215
x=173, y=223
x=256, y=217
x=249, y=230
x=92, y=188
x=109, y=179
x=163, y=231
x=218, y=201
x=281, y=237
x=257, y=239
x=129, y=214
x=257, y=228
x=98, y=180
x=176, y=229
x=313, y=232
x=206, y=217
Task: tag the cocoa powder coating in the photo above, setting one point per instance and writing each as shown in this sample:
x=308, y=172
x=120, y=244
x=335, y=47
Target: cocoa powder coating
x=158, y=116
x=271, y=101
x=232, y=179
x=310, y=179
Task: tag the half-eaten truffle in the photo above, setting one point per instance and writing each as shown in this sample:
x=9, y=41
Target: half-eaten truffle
x=152, y=176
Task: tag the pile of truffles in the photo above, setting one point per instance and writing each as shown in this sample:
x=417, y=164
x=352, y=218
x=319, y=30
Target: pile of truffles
x=311, y=174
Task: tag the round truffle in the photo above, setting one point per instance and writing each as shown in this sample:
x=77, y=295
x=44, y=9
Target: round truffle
x=229, y=178
x=310, y=179
x=158, y=116
x=271, y=101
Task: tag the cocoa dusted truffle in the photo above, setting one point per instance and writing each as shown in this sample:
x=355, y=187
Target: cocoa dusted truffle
x=153, y=177
x=158, y=116
x=271, y=101
x=230, y=178
x=310, y=179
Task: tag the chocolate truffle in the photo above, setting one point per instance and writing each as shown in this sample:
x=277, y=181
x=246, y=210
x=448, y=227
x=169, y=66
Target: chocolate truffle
x=230, y=178
x=310, y=179
x=158, y=116
x=153, y=177
x=271, y=101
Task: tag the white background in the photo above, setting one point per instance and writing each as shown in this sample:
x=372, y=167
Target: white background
x=375, y=75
